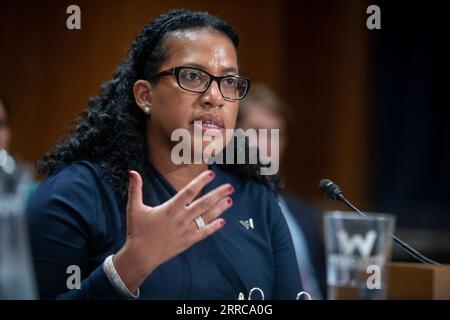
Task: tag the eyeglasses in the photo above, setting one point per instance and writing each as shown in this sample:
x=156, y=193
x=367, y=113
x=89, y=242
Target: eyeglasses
x=196, y=80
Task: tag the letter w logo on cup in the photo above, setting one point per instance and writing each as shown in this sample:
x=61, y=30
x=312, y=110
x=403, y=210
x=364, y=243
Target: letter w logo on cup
x=350, y=244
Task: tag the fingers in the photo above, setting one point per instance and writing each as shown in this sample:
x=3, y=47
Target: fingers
x=192, y=189
x=205, y=205
x=208, y=230
x=223, y=205
x=134, y=191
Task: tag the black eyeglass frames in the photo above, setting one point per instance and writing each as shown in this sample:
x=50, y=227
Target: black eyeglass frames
x=191, y=79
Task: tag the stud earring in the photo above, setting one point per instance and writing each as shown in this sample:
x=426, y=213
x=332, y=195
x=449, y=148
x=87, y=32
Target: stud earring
x=147, y=110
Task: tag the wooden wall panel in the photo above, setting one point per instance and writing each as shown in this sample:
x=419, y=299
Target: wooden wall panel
x=329, y=79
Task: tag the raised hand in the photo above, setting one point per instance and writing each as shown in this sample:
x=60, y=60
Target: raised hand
x=157, y=234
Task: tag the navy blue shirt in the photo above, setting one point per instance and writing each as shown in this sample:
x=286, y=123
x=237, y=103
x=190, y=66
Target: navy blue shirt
x=75, y=219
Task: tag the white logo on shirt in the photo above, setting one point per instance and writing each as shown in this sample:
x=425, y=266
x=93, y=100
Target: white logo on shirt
x=247, y=224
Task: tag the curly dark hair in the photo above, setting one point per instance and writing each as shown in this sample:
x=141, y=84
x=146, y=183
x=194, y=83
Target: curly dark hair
x=112, y=131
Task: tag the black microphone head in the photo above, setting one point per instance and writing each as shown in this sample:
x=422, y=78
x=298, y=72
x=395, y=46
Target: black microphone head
x=330, y=189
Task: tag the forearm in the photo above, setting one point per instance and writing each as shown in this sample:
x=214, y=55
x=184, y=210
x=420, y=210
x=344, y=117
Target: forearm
x=131, y=268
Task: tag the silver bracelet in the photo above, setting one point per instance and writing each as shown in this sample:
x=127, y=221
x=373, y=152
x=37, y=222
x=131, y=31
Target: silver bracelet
x=116, y=281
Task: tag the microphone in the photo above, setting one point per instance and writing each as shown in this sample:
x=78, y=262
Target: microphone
x=332, y=191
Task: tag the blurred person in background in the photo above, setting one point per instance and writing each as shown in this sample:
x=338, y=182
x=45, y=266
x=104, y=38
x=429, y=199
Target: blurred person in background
x=12, y=168
x=263, y=109
x=5, y=131
x=8, y=165
x=16, y=183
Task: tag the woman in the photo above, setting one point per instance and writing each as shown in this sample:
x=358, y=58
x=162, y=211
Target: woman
x=115, y=205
